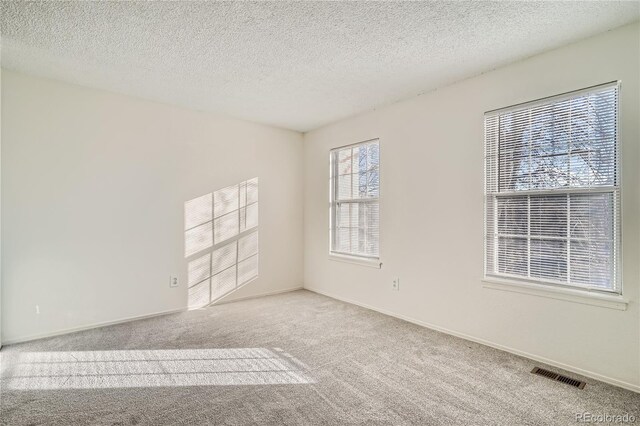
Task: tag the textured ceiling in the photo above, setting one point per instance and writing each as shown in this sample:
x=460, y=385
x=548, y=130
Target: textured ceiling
x=295, y=65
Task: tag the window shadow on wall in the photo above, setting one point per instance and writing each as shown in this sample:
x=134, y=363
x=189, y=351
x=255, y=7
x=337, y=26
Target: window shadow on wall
x=221, y=242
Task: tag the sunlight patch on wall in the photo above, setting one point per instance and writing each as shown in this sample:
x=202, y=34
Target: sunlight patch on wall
x=154, y=368
x=221, y=241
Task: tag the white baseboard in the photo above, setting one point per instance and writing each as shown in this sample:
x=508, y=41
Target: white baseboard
x=129, y=319
x=254, y=296
x=586, y=373
x=88, y=327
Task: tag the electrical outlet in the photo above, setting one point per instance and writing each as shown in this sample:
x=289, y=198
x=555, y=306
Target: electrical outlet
x=395, y=284
x=173, y=282
x=37, y=309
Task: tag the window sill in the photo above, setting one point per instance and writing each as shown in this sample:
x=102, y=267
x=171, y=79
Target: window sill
x=372, y=263
x=577, y=296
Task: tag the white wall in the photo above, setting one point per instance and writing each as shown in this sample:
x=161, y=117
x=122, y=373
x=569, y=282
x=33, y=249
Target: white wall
x=0, y=208
x=432, y=213
x=93, y=191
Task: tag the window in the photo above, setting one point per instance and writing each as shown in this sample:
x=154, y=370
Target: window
x=355, y=207
x=552, y=191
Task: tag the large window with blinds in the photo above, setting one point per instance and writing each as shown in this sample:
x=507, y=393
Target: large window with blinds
x=552, y=191
x=355, y=207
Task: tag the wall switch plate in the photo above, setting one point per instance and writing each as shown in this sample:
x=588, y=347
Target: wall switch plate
x=173, y=281
x=395, y=284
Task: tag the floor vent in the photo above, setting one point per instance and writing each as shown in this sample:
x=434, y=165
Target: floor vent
x=558, y=377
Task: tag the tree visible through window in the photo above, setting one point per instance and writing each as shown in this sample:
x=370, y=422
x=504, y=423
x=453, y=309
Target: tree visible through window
x=355, y=209
x=552, y=190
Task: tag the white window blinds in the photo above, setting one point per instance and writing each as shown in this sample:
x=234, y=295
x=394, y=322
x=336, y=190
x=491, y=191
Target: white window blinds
x=552, y=191
x=355, y=208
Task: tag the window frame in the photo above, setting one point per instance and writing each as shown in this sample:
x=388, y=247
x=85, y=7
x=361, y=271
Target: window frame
x=356, y=258
x=534, y=284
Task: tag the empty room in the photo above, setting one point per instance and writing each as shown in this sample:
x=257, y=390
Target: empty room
x=320, y=213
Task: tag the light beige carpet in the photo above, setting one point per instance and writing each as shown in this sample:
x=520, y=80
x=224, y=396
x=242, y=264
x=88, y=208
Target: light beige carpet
x=297, y=358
